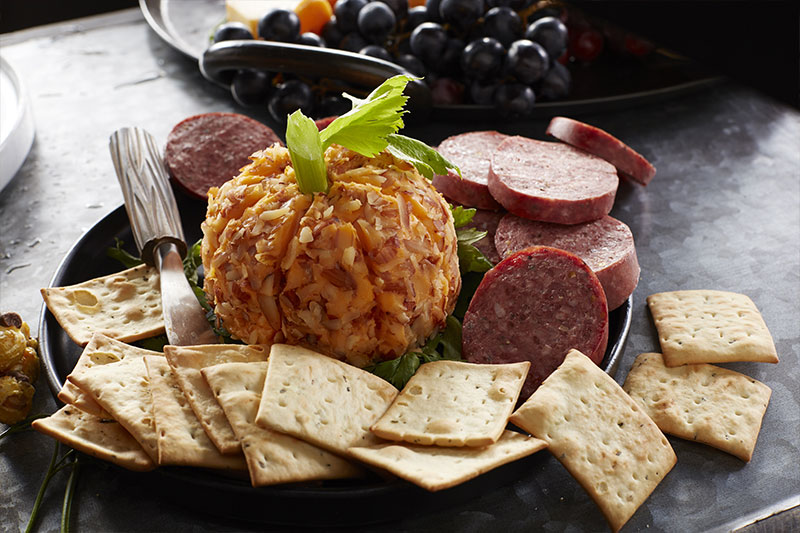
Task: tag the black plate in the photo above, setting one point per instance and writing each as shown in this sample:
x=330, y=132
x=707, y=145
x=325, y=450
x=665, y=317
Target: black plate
x=341, y=503
x=601, y=86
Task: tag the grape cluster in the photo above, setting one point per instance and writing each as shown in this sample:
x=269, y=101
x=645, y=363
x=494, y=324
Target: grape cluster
x=502, y=53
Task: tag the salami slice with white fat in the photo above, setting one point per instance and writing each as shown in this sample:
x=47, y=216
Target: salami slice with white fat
x=605, y=244
x=536, y=305
x=551, y=181
x=205, y=151
x=472, y=153
x=629, y=163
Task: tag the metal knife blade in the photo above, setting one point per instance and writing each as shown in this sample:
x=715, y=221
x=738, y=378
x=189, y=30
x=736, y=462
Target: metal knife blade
x=158, y=233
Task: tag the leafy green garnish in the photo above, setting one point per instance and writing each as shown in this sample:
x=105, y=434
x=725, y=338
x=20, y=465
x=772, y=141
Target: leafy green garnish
x=369, y=128
x=123, y=256
x=470, y=259
x=462, y=215
x=444, y=345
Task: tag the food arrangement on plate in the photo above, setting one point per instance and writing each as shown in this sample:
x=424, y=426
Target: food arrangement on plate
x=342, y=271
x=501, y=54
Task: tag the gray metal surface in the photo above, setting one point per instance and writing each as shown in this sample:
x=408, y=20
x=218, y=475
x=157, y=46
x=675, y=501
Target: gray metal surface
x=723, y=212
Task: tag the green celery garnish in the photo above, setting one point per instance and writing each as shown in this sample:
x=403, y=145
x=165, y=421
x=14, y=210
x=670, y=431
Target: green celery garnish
x=369, y=128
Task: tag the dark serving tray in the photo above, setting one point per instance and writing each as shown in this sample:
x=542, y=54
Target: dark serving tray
x=352, y=502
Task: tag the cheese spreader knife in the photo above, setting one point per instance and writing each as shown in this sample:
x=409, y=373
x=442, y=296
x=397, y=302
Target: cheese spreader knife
x=157, y=230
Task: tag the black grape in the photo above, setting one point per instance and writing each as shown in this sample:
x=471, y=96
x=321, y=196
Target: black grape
x=503, y=24
x=251, y=87
x=514, y=99
x=482, y=58
x=373, y=50
x=527, y=61
x=432, y=7
x=556, y=83
x=331, y=33
x=398, y=7
x=482, y=93
x=428, y=41
x=346, y=12
x=449, y=61
x=311, y=39
x=332, y=105
x=375, y=21
x=461, y=13
x=416, y=16
x=279, y=25
x=550, y=33
x=353, y=42
x=288, y=97
x=232, y=31
x=411, y=64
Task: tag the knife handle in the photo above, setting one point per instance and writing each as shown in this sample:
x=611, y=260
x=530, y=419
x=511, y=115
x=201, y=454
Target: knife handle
x=148, y=196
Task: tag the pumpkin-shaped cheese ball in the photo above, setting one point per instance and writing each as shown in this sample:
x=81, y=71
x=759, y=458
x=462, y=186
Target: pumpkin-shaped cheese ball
x=363, y=273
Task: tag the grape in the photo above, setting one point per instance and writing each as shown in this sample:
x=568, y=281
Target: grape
x=398, y=7
x=333, y=104
x=346, y=12
x=232, y=31
x=551, y=34
x=516, y=5
x=514, y=99
x=503, y=24
x=432, y=7
x=482, y=58
x=352, y=42
x=556, y=83
x=288, y=97
x=279, y=25
x=447, y=91
x=461, y=13
x=376, y=21
x=527, y=61
x=587, y=45
x=416, y=16
x=251, y=87
x=449, y=61
x=373, y=50
x=411, y=64
x=331, y=33
x=311, y=39
x=428, y=41
x=483, y=93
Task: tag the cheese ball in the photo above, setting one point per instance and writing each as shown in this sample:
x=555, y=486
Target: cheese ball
x=363, y=273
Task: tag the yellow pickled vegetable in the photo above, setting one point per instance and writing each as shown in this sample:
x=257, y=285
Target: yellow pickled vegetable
x=19, y=368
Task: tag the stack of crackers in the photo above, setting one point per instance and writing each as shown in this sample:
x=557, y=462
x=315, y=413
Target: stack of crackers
x=284, y=414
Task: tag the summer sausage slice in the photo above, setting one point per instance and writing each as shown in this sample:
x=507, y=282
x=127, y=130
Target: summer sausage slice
x=551, y=181
x=536, y=305
x=606, y=245
x=602, y=144
x=472, y=152
x=207, y=150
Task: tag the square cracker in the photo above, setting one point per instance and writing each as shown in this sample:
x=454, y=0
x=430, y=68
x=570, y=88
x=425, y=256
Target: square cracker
x=102, y=438
x=181, y=439
x=187, y=361
x=451, y=403
x=705, y=403
x=123, y=390
x=706, y=326
x=436, y=468
x=600, y=434
x=321, y=400
x=272, y=457
x=125, y=306
x=73, y=395
x=103, y=350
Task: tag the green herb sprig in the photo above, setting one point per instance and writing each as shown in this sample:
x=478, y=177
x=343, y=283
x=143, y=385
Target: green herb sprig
x=369, y=128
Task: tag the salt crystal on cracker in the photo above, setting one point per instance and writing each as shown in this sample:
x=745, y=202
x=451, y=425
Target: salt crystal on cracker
x=125, y=306
x=451, y=403
x=600, y=434
x=702, y=402
x=708, y=326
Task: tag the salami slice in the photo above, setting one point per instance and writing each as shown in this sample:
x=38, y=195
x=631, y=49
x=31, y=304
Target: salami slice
x=606, y=245
x=551, y=182
x=629, y=163
x=487, y=221
x=472, y=152
x=207, y=150
x=536, y=305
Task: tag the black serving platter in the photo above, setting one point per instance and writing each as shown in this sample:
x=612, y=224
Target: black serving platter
x=604, y=85
x=342, y=503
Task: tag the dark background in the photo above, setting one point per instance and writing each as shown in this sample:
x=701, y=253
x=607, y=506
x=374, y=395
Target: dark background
x=756, y=43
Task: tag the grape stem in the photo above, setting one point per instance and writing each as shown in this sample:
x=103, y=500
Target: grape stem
x=56, y=465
